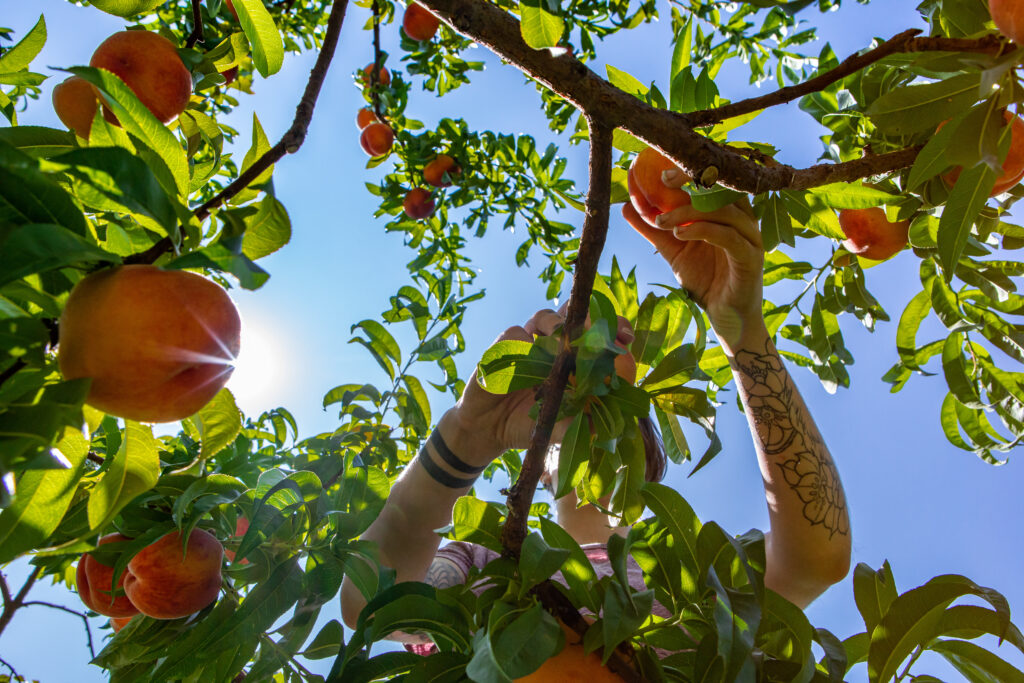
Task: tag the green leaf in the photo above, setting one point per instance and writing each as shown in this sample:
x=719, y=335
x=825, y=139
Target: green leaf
x=776, y=225
x=683, y=44
x=932, y=159
x=167, y=160
x=538, y=561
x=511, y=365
x=976, y=663
x=30, y=249
x=540, y=27
x=672, y=510
x=577, y=569
x=43, y=496
x=852, y=196
x=327, y=643
x=21, y=55
x=874, y=592
x=134, y=469
x=218, y=423
x=477, y=521
x=264, y=38
x=626, y=82
x=912, y=617
x=962, y=208
x=918, y=108
x=268, y=230
x=218, y=257
x=916, y=311
x=38, y=141
x=29, y=196
x=574, y=455
x=954, y=366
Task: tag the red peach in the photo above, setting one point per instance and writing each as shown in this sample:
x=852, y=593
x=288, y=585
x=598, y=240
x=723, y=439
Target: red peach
x=75, y=102
x=383, y=76
x=433, y=173
x=365, y=117
x=1013, y=164
x=418, y=23
x=648, y=193
x=418, y=203
x=870, y=234
x=376, y=139
x=164, y=583
x=93, y=579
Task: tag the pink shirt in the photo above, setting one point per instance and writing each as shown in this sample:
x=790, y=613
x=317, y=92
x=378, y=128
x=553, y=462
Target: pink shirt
x=467, y=555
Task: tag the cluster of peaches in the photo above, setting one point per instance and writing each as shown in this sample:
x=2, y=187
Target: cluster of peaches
x=376, y=137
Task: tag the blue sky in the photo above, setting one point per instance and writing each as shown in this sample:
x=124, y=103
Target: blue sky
x=914, y=499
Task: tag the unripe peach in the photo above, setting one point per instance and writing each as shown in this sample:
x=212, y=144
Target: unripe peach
x=433, y=173
x=164, y=583
x=93, y=580
x=75, y=102
x=649, y=195
x=418, y=23
x=365, y=117
x=870, y=234
x=1013, y=164
x=383, y=76
x=1009, y=18
x=376, y=139
x=418, y=203
x=149, y=64
x=157, y=343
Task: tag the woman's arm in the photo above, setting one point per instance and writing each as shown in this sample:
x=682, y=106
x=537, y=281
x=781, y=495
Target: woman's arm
x=719, y=258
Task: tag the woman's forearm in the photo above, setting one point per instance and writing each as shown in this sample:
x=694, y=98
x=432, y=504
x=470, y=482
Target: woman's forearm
x=808, y=547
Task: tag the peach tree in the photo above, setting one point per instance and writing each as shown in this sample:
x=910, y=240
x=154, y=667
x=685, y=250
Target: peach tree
x=916, y=124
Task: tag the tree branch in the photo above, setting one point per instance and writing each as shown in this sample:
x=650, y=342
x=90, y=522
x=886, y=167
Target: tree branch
x=85, y=619
x=11, y=370
x=377, y=61
x=11, y=606
x=289, y=143
x=595, y=228
x=15, y=676
x=197, y=26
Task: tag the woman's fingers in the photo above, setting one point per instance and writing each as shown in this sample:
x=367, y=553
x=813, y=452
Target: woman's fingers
x=674, y=178
x=543, y=322
x=725, y=237
x=731, y=215
x=663, y=240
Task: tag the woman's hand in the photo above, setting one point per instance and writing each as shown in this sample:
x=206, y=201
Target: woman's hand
x=717, y=257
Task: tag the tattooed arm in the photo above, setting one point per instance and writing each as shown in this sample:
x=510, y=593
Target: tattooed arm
x=718, y=258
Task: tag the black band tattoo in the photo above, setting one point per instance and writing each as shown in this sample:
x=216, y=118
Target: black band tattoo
x=453, y=461
x=784, y=429
x=439, y=474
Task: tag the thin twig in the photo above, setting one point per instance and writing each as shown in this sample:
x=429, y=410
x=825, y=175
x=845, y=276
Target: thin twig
x=377, y=59
x=15, y=676
x=85, y=619
x=11, y=371
x=595, y=228
x=289, y=143
x=197, y=26
x=11, y=606
x=5, y=590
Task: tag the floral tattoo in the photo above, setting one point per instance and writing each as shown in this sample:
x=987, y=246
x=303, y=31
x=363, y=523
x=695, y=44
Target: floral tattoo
x=783, y=428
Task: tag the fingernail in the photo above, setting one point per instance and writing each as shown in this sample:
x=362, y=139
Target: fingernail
x=670, y=174
x=661, y=220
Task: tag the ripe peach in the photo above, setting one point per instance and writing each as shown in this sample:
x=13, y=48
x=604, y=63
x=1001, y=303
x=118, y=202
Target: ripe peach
x=376, y=139
x=650, y=196
x=1013, y=164
x=157, y=343
x=231, y=8
x=230, y=75
x=365, y=117
x=418, y=203
x=433, y=173
x=75, y=102
x=241, y=526
x=383, y=76
x=572, y=665
x=94, y=578
x=870, y=234
x=149, y=64
x=118, y=623
x=418, y=23
x=1009, y=18
x=166, y=584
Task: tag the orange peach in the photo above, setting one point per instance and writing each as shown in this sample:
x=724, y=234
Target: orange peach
x=383, y=76
x=149, y=64
x=376, y=139
x=75, y=102
x=418, y=203
x=241, y=526
x=870, y=234
x=647, y=192
x=434, y=172
x=157, y=343
x=1009, y=18
x=365, y=117
x=572, y=665
x=1013, y=164
x=94, y=578
x=118, y=623
x=164, y=582
x=418, y=23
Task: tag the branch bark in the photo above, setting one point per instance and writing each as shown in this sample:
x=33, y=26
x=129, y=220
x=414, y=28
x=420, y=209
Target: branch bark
x=197, y=25
x=11, y=606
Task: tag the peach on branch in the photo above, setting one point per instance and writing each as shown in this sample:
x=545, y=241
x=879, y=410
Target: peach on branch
x=434, y=172
x=383, y=76
x=376, y=139
x=149, y=64
x=649, y=195
x=1009, y=18
x=157, y=343
x=118, y=623
x=870, y=234
x=418, y=23
x=75, y=103
x=572, y=665
x=94, y=578
x=418, y=203
x=1013, y=164
x=241, y=526
x=365, y=117
x=165, y=581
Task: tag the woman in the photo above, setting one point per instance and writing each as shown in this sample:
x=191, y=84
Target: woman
x=718, y=257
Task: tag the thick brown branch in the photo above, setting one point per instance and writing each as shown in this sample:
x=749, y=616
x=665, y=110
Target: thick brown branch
x=289, y=143
x=595, y=228
x=197, y=25
x=907, y=41
x=11, y=606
